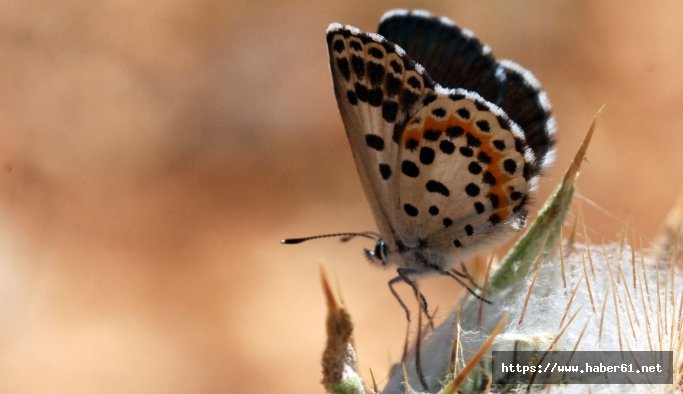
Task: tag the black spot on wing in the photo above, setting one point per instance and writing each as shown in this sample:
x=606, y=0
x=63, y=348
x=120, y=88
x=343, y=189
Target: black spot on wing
x=474, y=168
x=439, y=112
x=408, y=98
x=437, y=187
x=351, y=96
x=412, y=144
x=374, y=141
x=397, y=133
x=432, y=135
x=483, y=157
x=410, y=169
x=473, y=141
x=414, y=82
x=446, y=147
x=510, y=166
x=343, y=66
x=375, y=97
x=488, y=178
x=358, y=66
x=385, y=171
x=410, y=210
x=396, y=66
x=361, y=92
x=375, y=73
x=503, y=122
x=481, y=106
x=483, y=125
x=390, y=111
x=431, y=97
x=376, y=53
x=339, y=46
x=472, y=190
x=454, y=132
x=463, y=113
x=456, y=96
x=392, y=85
x=426, y=155
x=499, y=144
x=495, y=201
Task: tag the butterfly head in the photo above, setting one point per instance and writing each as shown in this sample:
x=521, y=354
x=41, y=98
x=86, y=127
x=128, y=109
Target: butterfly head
x=379, y=255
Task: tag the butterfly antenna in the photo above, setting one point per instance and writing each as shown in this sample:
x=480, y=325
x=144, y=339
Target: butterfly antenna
x=344, y=237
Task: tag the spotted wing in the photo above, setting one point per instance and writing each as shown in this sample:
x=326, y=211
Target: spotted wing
x=377, y=90
x=464, y=179
x=455, y=58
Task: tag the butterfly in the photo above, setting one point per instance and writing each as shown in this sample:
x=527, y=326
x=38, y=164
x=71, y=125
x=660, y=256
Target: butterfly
x=448, y=141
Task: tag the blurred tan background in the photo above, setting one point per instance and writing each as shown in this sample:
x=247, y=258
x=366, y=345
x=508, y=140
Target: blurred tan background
x=153, y=154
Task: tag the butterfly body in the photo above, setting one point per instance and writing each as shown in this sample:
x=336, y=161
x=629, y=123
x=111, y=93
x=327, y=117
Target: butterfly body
x=446, y=167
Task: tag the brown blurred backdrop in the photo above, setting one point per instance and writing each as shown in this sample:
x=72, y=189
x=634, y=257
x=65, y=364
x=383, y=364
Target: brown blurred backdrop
x=153, y=154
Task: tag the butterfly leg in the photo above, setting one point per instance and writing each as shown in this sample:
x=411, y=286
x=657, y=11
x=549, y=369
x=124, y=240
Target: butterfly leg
x=460, y=281
x=392, y=282
x=466, y=275
x=403, y=276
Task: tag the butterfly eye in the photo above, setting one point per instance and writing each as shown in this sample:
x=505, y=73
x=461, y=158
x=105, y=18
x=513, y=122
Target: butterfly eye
x=380, y=252
x=385, y=250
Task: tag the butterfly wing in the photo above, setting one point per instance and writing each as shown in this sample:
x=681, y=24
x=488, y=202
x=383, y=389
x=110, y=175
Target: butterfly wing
x=457, y=59
x=446, y=172
x=525, y=102
x=377, y=90
x=452, y=55
x=465, y=178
